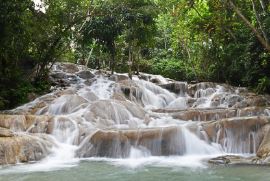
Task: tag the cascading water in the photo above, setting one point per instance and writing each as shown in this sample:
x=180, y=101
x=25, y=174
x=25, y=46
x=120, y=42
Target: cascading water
x=154, y=96
x=196, y=146
x=65, y=134
x=136, y=122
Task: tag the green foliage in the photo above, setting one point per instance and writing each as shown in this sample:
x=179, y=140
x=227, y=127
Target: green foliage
x=185, y=40
x=117, y=28
x=17, y=92
x=214, y=43
x=171, y=68
x=263, y=85
x=29, y=41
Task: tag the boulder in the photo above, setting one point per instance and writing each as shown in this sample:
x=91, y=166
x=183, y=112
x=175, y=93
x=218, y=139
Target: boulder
x=106, y=113
x=118, y=77
x=33, y=109
x=6, y=132
x=232, y=160
x=204, y=114
x=89, y=82
x=176, y=87
x=238, y=134
x=232, y=100
x=89, y=96
x=131, y=91
x=227, y=100
x=61, y=79
x=144, y=76
x=85, y=74
x=24, y=148
x=118, y=96
x=66, y=104
x=67, y=67
x=193, y=88
x=58, y=75
x=257, y=100
x=264, y=149
x=101, y=72
x=155, y=80
x=30, y=123
x=117, y=143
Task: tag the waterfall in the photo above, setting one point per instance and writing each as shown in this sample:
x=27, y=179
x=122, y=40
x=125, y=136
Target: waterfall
x=140, y=121
x=196, y=146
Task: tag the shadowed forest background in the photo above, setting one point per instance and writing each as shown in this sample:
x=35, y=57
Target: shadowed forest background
x=187, y=40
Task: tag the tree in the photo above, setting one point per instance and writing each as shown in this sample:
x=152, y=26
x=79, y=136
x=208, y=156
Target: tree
x=140, y=28
x=133, y=20
x=104, y=28
x=262, y=39
x=30, y=41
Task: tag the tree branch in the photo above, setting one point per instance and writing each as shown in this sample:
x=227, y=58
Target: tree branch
x=259, y=22
x=253, y=29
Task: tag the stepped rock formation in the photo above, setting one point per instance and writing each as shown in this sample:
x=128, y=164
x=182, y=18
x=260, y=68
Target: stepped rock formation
x=23, y=148
x=92, y=114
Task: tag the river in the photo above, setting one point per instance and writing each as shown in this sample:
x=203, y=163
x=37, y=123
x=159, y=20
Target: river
x=103, y=127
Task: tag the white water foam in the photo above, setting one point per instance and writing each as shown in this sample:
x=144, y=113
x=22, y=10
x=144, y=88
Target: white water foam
x=63, y=152
x=208, y=95
x=103, y=88
x=194, y=161
x=66, y=128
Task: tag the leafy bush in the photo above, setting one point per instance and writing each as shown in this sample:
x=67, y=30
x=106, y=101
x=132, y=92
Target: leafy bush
x=172, y=68
x=263, y=85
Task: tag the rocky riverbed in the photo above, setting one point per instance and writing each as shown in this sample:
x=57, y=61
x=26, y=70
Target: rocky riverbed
x=91, y=113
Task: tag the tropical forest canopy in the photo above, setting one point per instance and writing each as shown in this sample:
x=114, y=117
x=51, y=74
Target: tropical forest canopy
x=189, y=40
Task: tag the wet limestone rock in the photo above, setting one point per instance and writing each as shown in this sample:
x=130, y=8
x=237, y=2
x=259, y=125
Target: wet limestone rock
x=204, y=114
x=58, y=75
x=129, y=88
x=155, y=80
x=62, y=79
x=232, y=160
x=106, y=113
x=30, y=123
x=176, y=87
x=238, y=130
x=118, y=77
x=264, y=149
x=6, y=132
x=66, y=104
x=23, y=148
x=131, y=91
x=117, y=143
x=193, y=88
x=257, y=100
x=67, y=67
x=85, y=74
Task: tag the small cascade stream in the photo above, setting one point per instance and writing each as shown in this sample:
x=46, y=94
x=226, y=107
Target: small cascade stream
x=138, y=122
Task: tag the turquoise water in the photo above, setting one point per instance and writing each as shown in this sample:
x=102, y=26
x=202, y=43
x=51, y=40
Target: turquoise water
x=106, y=171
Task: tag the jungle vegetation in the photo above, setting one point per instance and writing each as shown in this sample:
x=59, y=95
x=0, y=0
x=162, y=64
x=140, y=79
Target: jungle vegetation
x=187, y=40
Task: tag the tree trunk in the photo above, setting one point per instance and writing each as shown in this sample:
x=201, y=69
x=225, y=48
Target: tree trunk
x=259, y=21
x=138, y=62
x=129, y=61
x=113, y=63
x=113, y=58
x=253, y=29
x=263, y=5
x=185, y=46
x=90, y=54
